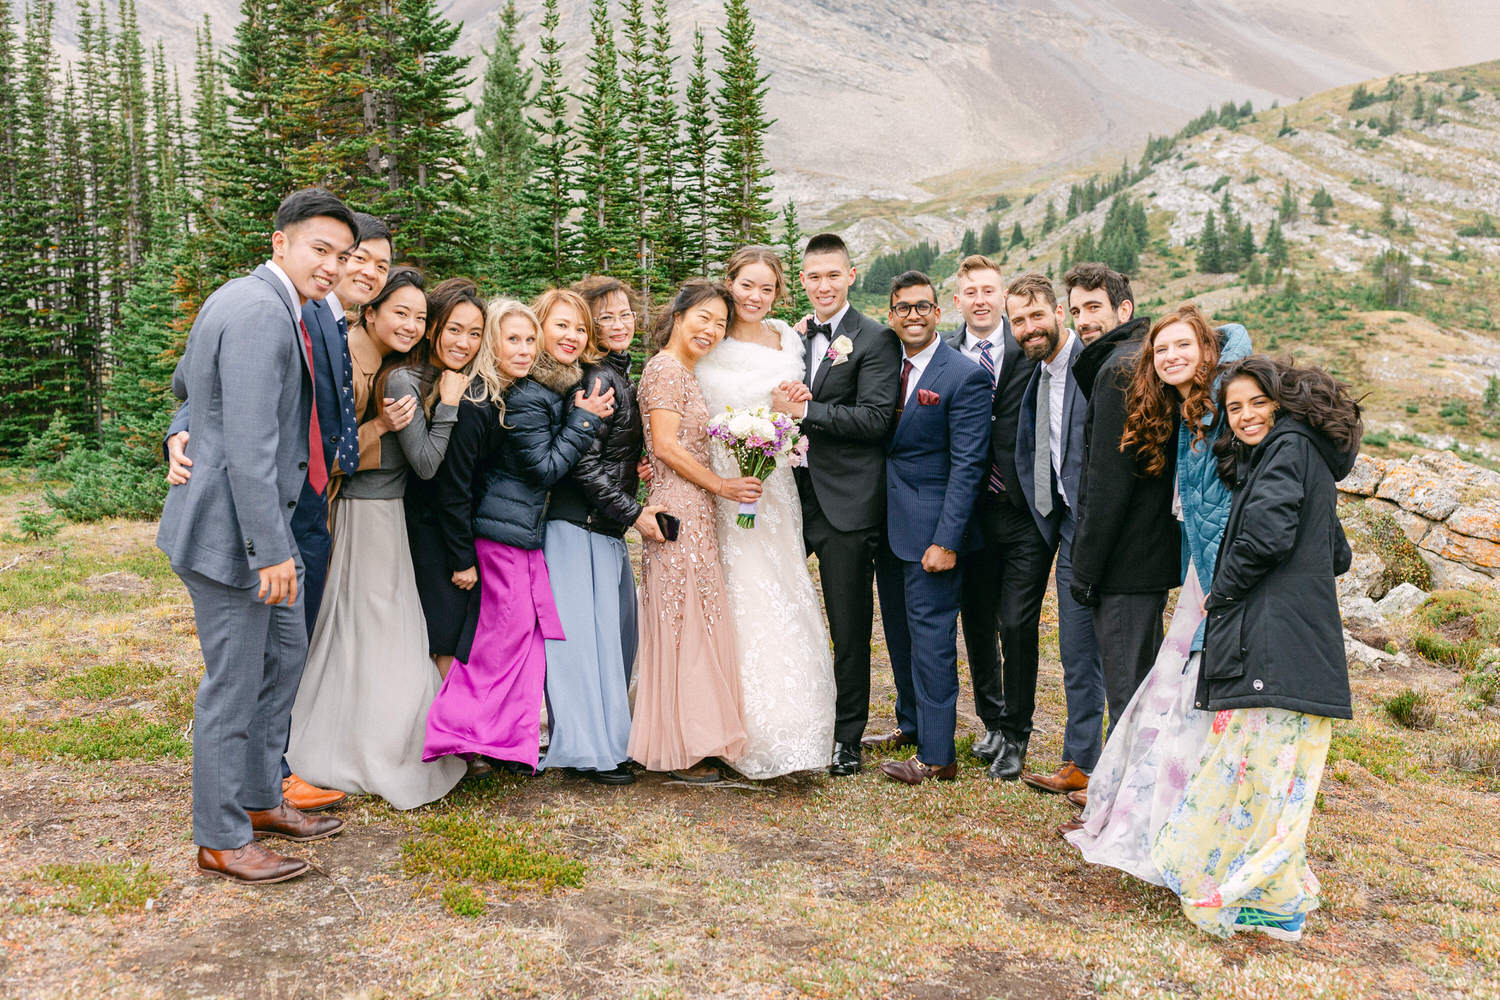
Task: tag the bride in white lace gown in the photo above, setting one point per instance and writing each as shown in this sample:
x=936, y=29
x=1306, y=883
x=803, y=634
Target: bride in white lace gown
x=786, y=666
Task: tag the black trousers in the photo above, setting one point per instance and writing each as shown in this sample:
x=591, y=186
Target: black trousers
x=1129, y=630
x=1001, y=606
x=846, y=566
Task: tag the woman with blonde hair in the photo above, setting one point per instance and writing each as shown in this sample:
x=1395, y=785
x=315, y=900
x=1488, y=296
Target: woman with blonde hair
x=787, y=685
x=490, y=702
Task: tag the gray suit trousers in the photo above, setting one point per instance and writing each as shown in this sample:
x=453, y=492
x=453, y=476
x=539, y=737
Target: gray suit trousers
x=253, y=656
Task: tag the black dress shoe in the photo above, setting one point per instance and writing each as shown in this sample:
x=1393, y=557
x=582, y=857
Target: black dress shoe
x=988, y=748
x=1010, y=761
x=847, y=760
x=619, y=775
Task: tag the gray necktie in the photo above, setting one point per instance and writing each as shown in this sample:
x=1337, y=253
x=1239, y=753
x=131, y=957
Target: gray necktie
x=1041, y=467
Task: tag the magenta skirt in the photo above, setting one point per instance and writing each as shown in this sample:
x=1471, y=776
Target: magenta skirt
x=490, y=704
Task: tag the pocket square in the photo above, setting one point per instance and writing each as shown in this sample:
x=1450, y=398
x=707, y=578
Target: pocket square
x=926, y=397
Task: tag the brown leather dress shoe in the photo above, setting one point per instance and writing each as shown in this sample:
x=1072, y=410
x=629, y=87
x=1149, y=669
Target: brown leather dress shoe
x=913, y=772
x=290, y=823
x=1067, y=779
x=893, y=740
x=1063, y=829
x=250, y=865
x=309, y=798
x=1079, y=798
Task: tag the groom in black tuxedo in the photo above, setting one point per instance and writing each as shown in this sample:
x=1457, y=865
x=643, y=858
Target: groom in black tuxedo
x=846, y=404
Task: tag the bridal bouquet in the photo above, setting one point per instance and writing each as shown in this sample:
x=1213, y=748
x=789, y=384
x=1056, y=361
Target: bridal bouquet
x=758, y=437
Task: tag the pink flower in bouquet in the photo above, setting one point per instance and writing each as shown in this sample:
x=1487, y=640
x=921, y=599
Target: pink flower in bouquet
x=799, y=453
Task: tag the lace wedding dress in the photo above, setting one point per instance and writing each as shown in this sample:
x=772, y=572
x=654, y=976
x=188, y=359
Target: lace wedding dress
x=786, y=666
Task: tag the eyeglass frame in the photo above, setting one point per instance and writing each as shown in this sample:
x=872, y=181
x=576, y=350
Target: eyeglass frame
x=925, y=307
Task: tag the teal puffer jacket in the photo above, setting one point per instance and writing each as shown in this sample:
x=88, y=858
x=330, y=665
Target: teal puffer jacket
x=1205, y=498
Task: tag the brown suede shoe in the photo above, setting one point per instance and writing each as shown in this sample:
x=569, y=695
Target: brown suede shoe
x=1079, y=798
x=1067, y=779
x=290, y=823
x=893, y=740
x=250, y=865
x=913, y=772
x=309, y=798
x=1063, y=829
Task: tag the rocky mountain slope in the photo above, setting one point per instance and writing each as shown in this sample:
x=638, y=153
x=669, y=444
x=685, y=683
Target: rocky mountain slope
x=895, y=101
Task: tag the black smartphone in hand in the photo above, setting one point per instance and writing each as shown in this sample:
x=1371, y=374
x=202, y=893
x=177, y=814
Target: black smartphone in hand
x=668, y=524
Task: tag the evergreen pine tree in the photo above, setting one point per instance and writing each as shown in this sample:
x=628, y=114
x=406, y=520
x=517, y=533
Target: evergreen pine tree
x=606, y=244
x=503, y=138
x=1287, y=210
x=1210, y=253
x=134, y=142
x=1275, y=246
x=637, y=79
x=1049, y=221
x=697, y=192
x=969, y=245
x=1245, y=244
x=1017, y=237
x=989, y=237
x=797, y=304
x=1322, y=201
x=548, y=192
x=741, y=184
x=669, y=262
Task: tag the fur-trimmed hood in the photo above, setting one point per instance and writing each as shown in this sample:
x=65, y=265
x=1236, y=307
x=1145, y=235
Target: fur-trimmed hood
x=553, y=374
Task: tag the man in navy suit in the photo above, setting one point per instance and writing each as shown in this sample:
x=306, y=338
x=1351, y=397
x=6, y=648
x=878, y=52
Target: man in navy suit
x=935, y=465
x=1049, y=458
x=363, y=272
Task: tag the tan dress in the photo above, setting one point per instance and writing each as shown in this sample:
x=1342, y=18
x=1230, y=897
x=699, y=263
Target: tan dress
x=687, y=703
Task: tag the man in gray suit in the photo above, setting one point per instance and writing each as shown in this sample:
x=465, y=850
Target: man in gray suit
x=227, y=532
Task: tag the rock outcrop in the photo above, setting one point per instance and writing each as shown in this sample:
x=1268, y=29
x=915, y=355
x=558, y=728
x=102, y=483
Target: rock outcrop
x=1447, y=508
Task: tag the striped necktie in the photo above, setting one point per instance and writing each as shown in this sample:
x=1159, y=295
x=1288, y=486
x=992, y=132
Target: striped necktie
x=987, y=362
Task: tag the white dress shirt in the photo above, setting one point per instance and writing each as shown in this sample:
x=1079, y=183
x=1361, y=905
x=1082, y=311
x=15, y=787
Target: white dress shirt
x=290, y=288
x=819, y=343
x=1058, y=369
x=996, y=340
x=919, y=363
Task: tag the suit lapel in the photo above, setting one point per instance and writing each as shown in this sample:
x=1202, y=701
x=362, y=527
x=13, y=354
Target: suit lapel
x=849, y=327
x=929, y=377
x=294, y=315
x=1070, y=388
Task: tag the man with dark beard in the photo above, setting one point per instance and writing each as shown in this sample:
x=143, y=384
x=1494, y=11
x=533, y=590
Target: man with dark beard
x=1049, y=457
x=1126, y=553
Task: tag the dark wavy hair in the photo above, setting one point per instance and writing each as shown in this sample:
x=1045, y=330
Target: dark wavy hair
x=400, y=277
x=1152, y=406
x=1301, y=392
x=692, y=292
x=445, y=297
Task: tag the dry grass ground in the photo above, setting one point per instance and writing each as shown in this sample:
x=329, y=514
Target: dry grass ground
x=551, y=887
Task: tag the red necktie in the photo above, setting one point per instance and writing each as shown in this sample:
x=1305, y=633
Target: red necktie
x=317, y=469
x=906, y=367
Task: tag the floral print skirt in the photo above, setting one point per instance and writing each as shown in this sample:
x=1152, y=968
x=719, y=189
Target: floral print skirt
x=1238, y=836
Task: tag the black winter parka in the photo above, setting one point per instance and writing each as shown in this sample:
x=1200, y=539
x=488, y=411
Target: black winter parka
x=538, y=444
x=1274, y=636
x=599, y=494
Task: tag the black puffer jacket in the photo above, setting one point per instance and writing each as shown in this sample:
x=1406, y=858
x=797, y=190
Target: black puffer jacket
x=599, y=494
x=1127, y=540
x=1274, y=636
x=539, y=443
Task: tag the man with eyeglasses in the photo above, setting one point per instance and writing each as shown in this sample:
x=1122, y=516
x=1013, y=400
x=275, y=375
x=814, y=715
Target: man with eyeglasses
x=936, y=460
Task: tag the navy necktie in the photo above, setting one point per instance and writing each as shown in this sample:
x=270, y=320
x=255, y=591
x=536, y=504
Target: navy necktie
x=347, y=449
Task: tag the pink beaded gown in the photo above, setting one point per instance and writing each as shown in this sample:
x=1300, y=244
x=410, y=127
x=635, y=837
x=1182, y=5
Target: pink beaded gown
x=687, y=703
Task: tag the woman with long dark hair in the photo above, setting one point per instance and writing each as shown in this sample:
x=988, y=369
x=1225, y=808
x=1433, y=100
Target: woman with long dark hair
x=687, y=703
x=438, y=372
x=357, y=723
x=1172, y=420
x=1273, y=675
x=490, y=703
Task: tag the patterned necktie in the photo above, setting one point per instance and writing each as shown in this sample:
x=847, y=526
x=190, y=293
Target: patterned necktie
x=347, y=451
x=987, y=362
x=1041, y=466
x=906, y=367
x=317, y=468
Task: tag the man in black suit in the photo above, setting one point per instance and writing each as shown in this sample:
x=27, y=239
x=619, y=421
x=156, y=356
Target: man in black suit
x=846, y=404
x=1005, y=580
x=1126, y=553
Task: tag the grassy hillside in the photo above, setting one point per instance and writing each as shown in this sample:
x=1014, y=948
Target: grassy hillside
x=1393, y=285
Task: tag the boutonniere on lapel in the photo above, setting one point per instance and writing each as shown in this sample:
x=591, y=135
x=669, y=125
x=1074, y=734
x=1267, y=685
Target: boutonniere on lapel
x=838, y=351
x=926, y=397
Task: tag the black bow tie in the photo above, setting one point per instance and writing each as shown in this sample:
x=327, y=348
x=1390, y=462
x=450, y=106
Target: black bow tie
x=815, y=328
